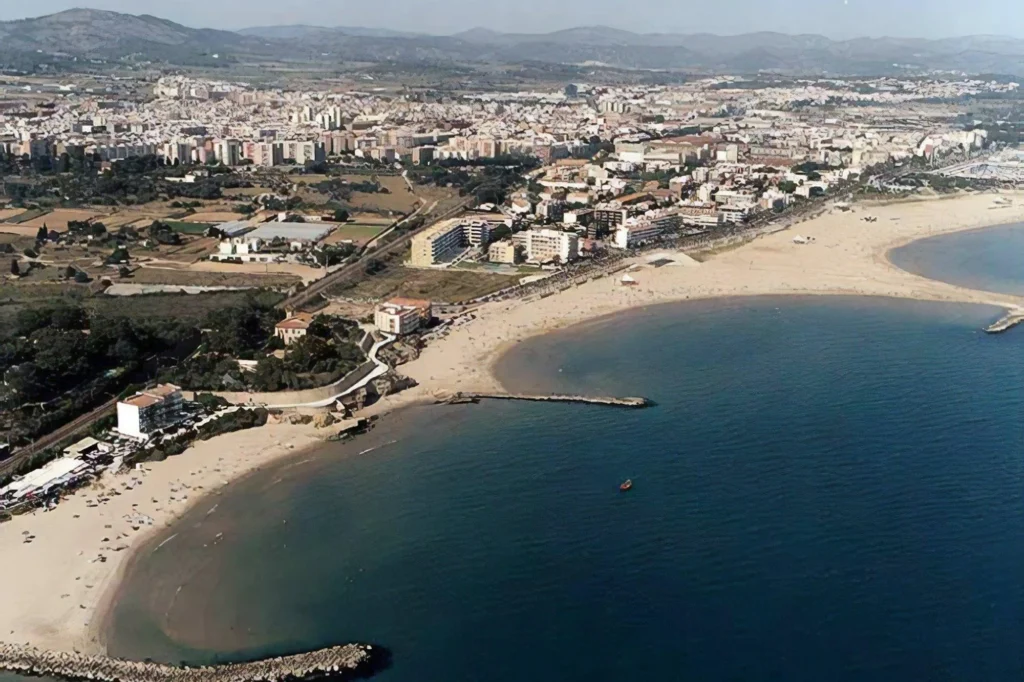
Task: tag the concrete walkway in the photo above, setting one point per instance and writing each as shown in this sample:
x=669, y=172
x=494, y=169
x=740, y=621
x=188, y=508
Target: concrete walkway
x=380, y=370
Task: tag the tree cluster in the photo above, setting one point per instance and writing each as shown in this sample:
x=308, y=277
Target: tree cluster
x=327, y=352
x=61, y=361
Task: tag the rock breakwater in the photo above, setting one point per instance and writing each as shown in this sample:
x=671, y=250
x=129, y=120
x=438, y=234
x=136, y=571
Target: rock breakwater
x=339, y=663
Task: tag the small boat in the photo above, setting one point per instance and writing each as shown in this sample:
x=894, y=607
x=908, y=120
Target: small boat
x=626, y=485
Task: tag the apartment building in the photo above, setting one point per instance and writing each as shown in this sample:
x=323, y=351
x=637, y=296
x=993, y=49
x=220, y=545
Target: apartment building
x=504, y=252
x=402, y=316
x=604, y=221
x=477, y=232
x=651, y=226
x=438, y=243
x=546, y=246
x=149, y=411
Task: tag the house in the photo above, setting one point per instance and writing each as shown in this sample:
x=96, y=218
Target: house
x=149, y=411
x=293, y=327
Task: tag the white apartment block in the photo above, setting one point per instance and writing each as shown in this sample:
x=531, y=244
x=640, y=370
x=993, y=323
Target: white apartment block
x=652, y=226
x=477, y=232
x=396, y=319
x=438, y=244
x=545, y=246
x=402, y=316
x=503, y=252
x=149, y=411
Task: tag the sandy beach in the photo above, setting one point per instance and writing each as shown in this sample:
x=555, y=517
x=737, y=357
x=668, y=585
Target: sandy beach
x=56, y=585
x=848, y=255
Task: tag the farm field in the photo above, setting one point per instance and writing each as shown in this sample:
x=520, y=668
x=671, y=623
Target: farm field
x=58, y=219
x=212, y=217
x=9, y=213
x=192, y=276
x=244, y=191
x=358, y=234
x=293, y=272
x=26, y=215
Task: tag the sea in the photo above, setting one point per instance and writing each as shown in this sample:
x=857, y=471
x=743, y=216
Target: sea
x=991, y=259
x=827, y=488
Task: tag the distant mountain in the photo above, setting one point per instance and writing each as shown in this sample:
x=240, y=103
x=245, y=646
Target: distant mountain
x=111, y=35
x=300, y=31
x=100, y=33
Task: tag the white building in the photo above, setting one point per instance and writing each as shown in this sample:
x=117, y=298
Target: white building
x=150, y=410
x=402, y=316
x=545, y=246
x=650, y=226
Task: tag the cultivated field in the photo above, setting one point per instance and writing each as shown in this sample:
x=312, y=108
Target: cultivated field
x=58, y=219
x=244, y=191
x=212, y=217
x=290, y=272
x=8, y=213
x=192, y=276
x=358, y=234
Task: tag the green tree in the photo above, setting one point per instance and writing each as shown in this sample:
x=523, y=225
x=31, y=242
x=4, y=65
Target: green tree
x=120, y=255
x=43, y=234
x=341, y=215
x=14, y=267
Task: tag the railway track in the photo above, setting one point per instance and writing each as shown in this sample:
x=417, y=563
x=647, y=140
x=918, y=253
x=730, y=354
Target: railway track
x=49, y=440
x=358, y=267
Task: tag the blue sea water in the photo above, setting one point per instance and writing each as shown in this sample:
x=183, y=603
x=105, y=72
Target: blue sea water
x=827, y=489
x=991, y=259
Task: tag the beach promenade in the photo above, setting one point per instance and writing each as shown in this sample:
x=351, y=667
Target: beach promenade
x=62, y=567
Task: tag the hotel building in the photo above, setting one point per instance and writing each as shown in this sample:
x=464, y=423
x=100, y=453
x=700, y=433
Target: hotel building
x=149, y=411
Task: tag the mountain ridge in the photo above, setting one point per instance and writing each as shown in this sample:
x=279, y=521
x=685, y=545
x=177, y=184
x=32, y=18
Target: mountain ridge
x=112, y=35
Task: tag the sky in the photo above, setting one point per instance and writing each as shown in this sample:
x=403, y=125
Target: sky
x=834, y=18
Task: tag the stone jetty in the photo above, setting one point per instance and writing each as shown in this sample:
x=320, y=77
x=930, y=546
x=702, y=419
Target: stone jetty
x=338, y=663
x=1007, y=321
x=588, y=400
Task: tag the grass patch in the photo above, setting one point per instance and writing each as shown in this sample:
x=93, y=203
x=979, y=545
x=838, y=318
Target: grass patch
x=178, y=306
x=28, y=215
x=447, y=286
x=356, y=233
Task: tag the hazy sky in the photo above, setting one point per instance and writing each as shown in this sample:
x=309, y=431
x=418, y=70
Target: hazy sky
x=835, y=18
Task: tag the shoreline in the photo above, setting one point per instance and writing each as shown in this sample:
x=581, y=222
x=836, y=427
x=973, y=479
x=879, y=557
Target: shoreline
x=64, y=594
x=848, y=257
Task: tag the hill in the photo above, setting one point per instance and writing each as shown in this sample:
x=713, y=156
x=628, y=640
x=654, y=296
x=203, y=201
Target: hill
x=112, y=35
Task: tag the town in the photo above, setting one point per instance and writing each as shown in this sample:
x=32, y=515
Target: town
x=306, y=243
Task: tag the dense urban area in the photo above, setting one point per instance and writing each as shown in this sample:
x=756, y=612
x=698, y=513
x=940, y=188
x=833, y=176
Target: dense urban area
x=188, y=254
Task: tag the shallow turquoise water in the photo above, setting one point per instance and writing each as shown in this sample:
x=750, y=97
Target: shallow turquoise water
x=828, y=488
